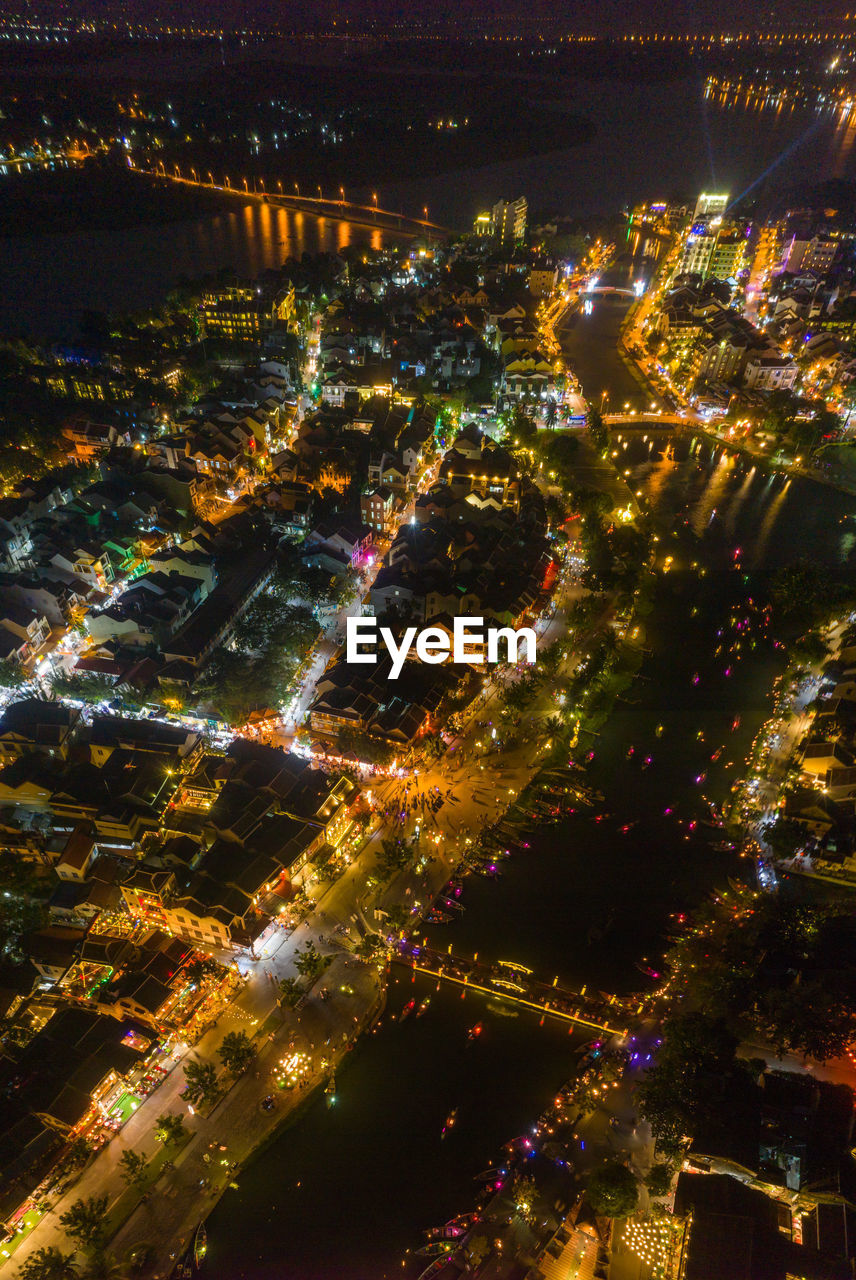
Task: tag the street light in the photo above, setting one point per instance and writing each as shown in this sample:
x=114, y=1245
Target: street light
x=279, y=184
x=211, y=177
x=342, y=194
x=297, y=189
x=320, y=197
x=246, y=188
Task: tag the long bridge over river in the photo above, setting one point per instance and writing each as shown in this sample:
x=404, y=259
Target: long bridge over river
x=597, y=1011
x=341, y=210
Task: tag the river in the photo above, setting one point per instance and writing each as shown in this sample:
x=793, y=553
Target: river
x=653, y=141
x=348, y=1191
x=47, y=281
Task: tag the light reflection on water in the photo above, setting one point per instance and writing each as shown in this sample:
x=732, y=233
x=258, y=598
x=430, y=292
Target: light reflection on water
x=46, y=281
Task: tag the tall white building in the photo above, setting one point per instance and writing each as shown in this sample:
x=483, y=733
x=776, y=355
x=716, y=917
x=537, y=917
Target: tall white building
x=710, y=205
x=509, y=220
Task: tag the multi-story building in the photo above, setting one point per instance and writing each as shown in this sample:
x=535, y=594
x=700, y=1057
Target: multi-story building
x=713, y=249
x=710, y=205
x=816, y=254
x=542, y=278
x=508, y=220
x=698, y=248
x=729, y=254
x=769, y=371
x=240, y=312
x=376, y=508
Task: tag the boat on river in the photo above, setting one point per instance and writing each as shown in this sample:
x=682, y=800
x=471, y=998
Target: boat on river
x=200, y=1244
x=435, y=1267
x=436, y=916
x=454, y=1228
x=436, y=1248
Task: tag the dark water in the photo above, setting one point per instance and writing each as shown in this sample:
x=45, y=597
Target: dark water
x=606, y=380
x=47, y=281
x=654, y=141
x=587, y=901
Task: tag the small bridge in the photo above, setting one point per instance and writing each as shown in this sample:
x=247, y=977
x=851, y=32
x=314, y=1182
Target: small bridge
x=649, y=420
x=506, y=980
x=591, y=291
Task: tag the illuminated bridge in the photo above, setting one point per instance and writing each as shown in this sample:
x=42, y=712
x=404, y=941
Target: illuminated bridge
x=341, y=210
x=649, y=420
x=594, y=290
x=597, y=1012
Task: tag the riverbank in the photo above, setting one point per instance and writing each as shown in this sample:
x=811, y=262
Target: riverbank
x=326, y=1029
x=593, y=899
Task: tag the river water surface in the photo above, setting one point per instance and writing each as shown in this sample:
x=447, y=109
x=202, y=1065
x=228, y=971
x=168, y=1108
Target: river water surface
x=652, y=141
x=347, y=1192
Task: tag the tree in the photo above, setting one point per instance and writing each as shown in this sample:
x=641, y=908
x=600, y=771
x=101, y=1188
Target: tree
x=235, y=1052
x=559, y=454
x=85, y=688
x=22, y=905
x=197, y=970
x=106, y=1266
x=86, y=1222
x=290, y=992
x=519, y=427
x=169, y=1129
x=809, y=650
x=612, y=1190
x=811, y=1017
x=659, y=1180
x=477, y=1249
x=394, y=855
x=684, y=1088
x=12, y=674
x=525, y=1196
x=364, y=746
x=310, y=963
x=200, y=1081
x=597, y=429
x=784, y=836
x=133, y=1165
x=49, y=1264
x=397, y=917
x=781, y=412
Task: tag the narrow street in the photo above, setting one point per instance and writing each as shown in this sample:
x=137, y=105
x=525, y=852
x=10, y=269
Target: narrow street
x=478, y=785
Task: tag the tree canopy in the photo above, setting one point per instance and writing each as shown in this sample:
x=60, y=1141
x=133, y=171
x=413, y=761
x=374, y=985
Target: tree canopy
x=236, y=1052
x=612, y=1190
x=86, y=1221
x=49, y=1264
